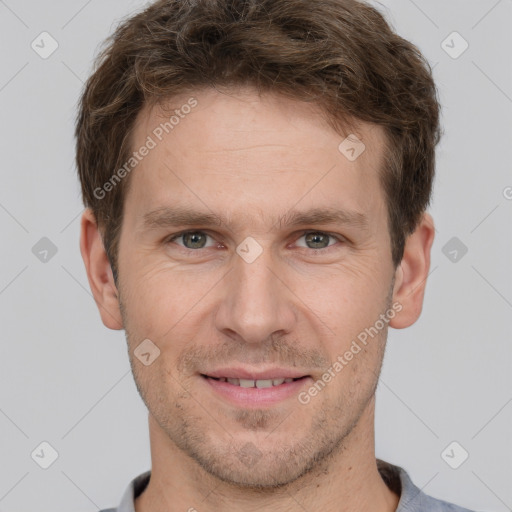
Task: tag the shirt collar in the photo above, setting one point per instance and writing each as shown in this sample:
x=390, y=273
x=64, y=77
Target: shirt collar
x=395, y=477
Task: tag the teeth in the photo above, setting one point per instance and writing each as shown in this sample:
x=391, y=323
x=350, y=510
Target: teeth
x=264, y=383
x=260, y=384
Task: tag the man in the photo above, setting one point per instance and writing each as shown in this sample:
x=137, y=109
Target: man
x=256, y=176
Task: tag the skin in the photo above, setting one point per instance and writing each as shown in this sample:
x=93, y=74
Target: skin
x=254, y=158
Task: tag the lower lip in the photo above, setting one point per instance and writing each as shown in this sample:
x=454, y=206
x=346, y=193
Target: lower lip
x=256, y=397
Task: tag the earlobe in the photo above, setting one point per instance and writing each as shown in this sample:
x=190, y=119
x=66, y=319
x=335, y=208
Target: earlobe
x=412, y=272
x=99, y=272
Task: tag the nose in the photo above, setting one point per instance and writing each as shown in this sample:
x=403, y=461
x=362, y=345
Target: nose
x=256, y=304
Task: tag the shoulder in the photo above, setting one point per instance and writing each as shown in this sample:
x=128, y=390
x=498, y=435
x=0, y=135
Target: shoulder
x=412, y=499
x=426, y=503
x=134, y=489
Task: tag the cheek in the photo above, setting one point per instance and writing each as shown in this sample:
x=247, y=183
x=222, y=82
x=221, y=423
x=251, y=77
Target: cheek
x=344, y=311
x=348, y=295
x=165, y=305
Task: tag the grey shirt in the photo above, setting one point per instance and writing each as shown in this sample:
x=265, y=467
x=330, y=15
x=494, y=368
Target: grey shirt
x=412, y=499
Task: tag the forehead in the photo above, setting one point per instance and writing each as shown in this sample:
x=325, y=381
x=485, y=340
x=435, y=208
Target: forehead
x=233, y=150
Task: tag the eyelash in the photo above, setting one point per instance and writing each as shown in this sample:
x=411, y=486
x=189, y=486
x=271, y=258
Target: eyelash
x=176, y=236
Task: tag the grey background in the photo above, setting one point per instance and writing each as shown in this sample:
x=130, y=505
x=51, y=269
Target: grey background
x=65, y=378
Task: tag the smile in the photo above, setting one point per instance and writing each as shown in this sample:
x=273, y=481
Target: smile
x=255, y=393
x=251, y=383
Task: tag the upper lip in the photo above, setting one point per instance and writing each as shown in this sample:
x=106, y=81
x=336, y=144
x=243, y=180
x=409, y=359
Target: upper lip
x=246, y=373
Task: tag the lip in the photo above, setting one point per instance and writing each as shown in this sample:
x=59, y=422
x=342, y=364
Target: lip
x=250, y=398
x=253, y=374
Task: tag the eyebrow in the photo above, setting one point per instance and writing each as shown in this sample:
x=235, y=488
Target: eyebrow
x=170, y=217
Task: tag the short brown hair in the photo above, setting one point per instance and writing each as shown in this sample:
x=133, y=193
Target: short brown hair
x=340, y=54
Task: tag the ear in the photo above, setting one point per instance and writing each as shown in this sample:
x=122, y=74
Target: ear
x=99, y=272
x=412, y=272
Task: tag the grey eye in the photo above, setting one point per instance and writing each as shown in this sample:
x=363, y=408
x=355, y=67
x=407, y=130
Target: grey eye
x=194, y=239
x=317, y=240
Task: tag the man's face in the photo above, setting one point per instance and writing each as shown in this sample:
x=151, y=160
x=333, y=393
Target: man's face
x=200, y=294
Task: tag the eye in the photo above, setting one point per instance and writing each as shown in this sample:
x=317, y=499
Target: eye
x=194, y=240
x=318, y=239
x=191, y=239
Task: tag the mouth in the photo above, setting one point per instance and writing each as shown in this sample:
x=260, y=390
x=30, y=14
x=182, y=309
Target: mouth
x=255, y=383
x=249, y=391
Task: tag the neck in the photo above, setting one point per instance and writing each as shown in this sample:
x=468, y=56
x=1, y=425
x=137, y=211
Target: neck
x=348, y=480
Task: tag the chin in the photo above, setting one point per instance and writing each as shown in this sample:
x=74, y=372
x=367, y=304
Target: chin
x=265, y=473
x=262, y=465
